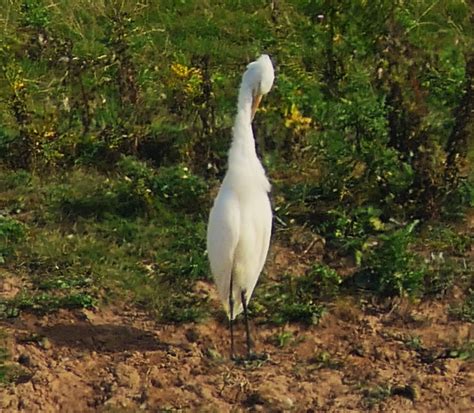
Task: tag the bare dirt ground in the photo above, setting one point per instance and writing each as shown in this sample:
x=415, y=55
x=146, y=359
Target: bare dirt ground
x=359, y=358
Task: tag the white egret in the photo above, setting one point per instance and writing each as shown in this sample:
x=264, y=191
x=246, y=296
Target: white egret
x=240, y=222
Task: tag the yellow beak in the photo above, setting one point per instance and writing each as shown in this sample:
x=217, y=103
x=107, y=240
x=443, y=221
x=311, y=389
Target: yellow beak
x=255, y=102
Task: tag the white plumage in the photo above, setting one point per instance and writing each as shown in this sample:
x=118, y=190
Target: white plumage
x=240, y=221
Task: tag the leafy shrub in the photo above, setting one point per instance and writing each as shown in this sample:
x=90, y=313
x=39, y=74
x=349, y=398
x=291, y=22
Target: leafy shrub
x=10, y=372
x=182, y=308
x=324, y=279
x=12, y=233
x=308, y=313
x=390, y=267
x=174, y=186
x=15, y=179
x=357, y=223
x=3, y=366
x=444, y=238
x=43, y=303
x=137, y=190
x=183, y=260
x=282, y=339
x=358, y=133
x=34, y=13
x=6, y=140
x=84, y=195
x=180, y=188
x=294, y=298
x=441, y=275
x=458, y=201
x=464, y=311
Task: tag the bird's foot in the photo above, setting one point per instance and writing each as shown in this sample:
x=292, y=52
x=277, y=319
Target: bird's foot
x=251, y=358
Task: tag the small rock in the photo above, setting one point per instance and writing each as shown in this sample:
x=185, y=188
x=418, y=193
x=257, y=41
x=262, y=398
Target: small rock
x=357, y=350
x=206, y=393
x=171, y=353
x=213, y=354
x=192, y=335
x=404, y=356
x=155, y=376
x=24, y=359
x=127, y=376
x=45, y=343
x=273, y=396
x=196, y=371
x=452, y=366
x=179, y=381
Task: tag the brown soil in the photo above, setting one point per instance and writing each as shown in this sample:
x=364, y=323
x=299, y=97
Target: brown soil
x=120, y=360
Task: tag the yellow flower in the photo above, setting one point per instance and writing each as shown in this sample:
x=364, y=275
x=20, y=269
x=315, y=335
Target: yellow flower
x=295, y=120
x=185, y=72
x=18, y=85
x=179, y=70
x=190, y=76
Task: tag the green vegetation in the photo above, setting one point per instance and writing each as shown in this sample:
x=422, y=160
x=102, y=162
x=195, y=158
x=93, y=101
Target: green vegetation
x=11, y=233
x=465, y=310
x=374, y=395
x=390, y=267
x=414, y=343
x=324, y=359
x=282, y=339
x=115, y=120
x=3, y=359
x=292, y=299
x=463, y=352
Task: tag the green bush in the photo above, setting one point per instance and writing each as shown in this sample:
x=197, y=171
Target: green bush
x=183, y=260
x=135, y=190
x=294, y=298
x=44, y=303
x=457, y=202
x=174, y=186
x=15, y=179
x=86, y=195
x=323, y=279
x=390, y=267
x=12, y=233
x=464, y=311
x=180, y=188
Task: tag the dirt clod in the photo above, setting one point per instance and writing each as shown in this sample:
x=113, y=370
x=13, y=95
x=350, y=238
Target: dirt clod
x=274, y=395
x=45, y=343
x=127, y=376
x=24, y=359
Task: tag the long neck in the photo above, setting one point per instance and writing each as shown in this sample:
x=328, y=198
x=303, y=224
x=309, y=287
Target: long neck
x=243, y=142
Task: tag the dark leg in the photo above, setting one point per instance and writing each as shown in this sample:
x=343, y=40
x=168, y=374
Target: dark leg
x=231, y=313
x=247, y=329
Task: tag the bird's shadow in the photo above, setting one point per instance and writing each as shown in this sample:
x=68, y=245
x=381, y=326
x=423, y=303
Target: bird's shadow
x=103, y=338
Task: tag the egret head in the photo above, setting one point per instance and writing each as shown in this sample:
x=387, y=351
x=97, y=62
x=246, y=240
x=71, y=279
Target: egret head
x=259, y=78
